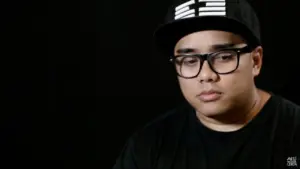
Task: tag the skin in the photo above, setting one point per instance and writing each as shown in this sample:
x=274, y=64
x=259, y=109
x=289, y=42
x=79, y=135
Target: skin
x=240, y=100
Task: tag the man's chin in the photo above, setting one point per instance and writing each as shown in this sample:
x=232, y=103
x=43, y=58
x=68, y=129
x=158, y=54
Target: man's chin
x=211, y=111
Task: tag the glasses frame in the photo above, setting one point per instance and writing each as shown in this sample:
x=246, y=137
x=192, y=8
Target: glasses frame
x=205, y=57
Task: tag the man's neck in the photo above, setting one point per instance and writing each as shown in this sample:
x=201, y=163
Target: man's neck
x=235, y=120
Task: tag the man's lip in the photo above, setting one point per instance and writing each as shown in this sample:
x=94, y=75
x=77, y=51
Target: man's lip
x=209, y=96
x=209, y=92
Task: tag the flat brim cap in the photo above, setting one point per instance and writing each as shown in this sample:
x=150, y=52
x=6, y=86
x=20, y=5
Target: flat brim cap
x=236, y=16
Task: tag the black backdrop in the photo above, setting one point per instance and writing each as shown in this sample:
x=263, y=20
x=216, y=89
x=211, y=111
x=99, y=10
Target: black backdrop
x=80, y=77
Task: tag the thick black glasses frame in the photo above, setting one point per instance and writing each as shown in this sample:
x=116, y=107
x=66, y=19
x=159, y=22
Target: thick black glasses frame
x=204, y=57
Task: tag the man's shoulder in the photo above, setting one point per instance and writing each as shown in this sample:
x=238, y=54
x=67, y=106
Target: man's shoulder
x=287, y=114
x=167, y=124
x=173, y=115
x=288, y=126
x=287, y=107
x=145, y=144
x=161, y=135
x=288, y=118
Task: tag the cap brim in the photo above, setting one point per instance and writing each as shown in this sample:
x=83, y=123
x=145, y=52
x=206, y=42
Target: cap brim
x=167, y=35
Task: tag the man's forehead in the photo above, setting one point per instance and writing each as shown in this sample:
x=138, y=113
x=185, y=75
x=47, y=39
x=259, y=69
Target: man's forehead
x=210, y=47
x=211, y=38
x=219, y=35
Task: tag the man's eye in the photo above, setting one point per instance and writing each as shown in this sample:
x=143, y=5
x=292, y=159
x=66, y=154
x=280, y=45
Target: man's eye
x=190, y=61
x=224, y=57
x=187, y=60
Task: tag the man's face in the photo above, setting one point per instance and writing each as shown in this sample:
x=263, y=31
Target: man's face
x=222, y=92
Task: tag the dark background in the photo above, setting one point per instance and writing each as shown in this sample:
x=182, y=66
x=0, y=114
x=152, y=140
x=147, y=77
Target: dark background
x=79, y=77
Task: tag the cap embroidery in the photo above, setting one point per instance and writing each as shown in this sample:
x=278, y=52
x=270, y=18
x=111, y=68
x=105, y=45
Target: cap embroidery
x=194, y=8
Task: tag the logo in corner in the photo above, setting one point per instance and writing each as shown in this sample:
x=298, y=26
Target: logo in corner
x=292, y=162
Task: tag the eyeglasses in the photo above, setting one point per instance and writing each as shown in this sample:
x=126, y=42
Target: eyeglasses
x=221, y=62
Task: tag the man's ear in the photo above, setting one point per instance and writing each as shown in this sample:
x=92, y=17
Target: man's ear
x=257, y=59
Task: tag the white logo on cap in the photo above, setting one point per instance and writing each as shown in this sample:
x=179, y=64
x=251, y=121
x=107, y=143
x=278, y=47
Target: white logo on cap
x=211, y=8
x=184, y=11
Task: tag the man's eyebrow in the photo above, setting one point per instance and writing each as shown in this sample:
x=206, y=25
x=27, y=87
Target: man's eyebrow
x=222, y=46
x=213, y=48
x=185, y=50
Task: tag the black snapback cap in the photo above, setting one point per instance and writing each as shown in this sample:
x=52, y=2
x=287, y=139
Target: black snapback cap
x=188, y=16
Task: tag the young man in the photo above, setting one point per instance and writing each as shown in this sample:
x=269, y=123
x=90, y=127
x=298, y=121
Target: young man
x=226, y=122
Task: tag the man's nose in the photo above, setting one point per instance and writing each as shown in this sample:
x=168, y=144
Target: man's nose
x=206, y=73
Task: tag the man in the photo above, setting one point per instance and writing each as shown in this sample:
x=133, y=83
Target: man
x=226, y=121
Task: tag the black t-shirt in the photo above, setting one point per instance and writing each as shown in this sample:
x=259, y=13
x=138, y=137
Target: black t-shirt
x=178, y=140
